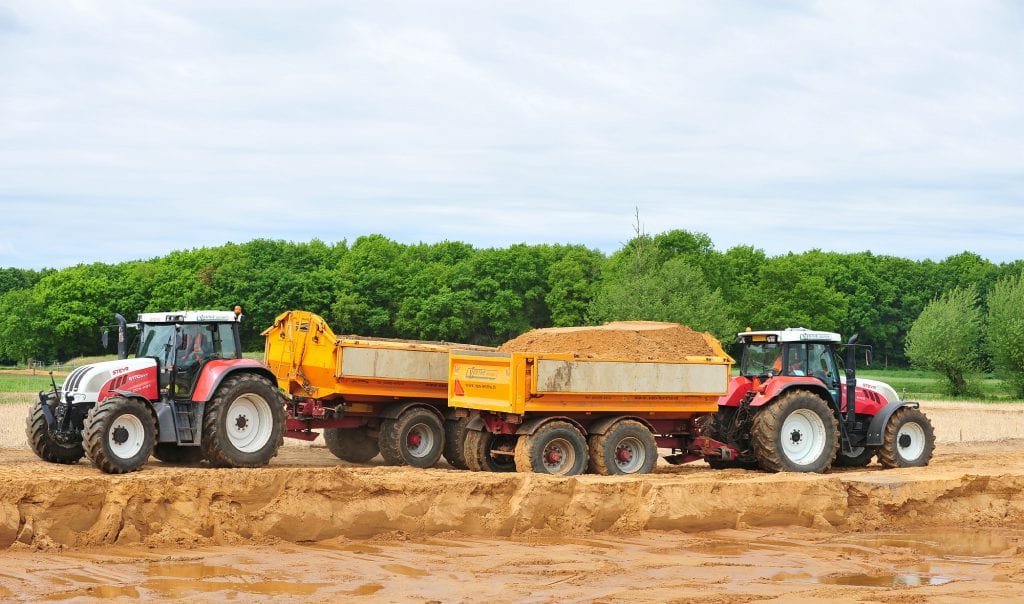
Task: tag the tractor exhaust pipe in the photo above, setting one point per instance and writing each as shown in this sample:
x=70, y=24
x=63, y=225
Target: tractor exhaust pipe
x=851, y=379
x=122, y=337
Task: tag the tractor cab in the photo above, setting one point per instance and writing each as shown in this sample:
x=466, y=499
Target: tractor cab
x=793, y=352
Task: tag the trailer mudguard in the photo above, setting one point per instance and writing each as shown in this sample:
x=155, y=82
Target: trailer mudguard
x=216, y=371
x=393, y=410
x=531, y=426
x=477, y=424
x=877, y=428
x=604, y=424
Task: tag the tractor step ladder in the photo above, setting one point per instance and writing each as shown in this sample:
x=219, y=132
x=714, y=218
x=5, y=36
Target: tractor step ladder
x=185, y=421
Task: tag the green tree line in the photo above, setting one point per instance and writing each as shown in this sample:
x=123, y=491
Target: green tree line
x=457, y=292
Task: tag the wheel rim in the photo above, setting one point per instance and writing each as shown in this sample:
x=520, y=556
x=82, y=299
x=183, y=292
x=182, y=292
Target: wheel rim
x=630, y=455
x=419, y=441
x=559, y=456
x=126, y=436
x=910, y=441
x=803, y=436
x=249, y=423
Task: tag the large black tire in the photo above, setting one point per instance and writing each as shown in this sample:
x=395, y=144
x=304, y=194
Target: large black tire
x=628, y=447
x=44, y=445
x=415, y=438
x=455, y=442
x=119, y=434
x=557, y=447
x=861, y=458
x=352, y=444
x=480, y=444
x=243, y=424
x=796, y=433
x=909, y=440
x=173, y=453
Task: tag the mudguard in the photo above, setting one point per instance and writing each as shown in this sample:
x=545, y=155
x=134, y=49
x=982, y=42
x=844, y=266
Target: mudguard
x=531, y=426
x=477, y=424
x=216, y=371
x=394, y=410
x=778, y=386
x=604, y=424
x=877, y=428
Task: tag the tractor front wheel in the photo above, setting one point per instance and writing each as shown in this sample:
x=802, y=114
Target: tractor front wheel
x=909, y=440
x=351, y=444
x=42, y=442
x=243, y=424
x=796, y=433
x=119, y=434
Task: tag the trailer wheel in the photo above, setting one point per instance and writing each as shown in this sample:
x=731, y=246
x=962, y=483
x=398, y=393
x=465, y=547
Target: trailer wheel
x=42, y=442
x=478, y=451
x=352, y=444
x=243, y=424
x=415, y=438
x=173, y=453
x=628, y=447
x=455, y=442
x=861, y=457
x=555, y=448
x=796, y=433
x=909, y=440
x=119, y=434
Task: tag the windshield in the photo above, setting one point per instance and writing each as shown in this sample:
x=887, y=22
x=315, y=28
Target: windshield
x=156, y=341
x=760, y=358
x=218, y=341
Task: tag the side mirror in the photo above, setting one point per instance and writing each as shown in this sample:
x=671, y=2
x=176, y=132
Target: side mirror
x=105, y=339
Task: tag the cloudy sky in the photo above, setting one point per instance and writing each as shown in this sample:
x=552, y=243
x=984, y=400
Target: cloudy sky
x=130, y=128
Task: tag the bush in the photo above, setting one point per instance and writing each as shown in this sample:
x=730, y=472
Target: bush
x=1006, y=331
x=946, y=337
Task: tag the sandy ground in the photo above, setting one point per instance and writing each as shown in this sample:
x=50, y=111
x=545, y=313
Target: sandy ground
x=312, y=528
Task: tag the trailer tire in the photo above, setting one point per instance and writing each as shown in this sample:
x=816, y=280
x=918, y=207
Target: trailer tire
x=554, y=448
x=478, y=447
x=862, y=458
x=628, y=447
x=415, y=438
x=455, y=442
x=796, y=433
x=43, y=444
x=173, y=453
x=243, y=424
x=119, y=434
x=351, y=444
x=909, y=440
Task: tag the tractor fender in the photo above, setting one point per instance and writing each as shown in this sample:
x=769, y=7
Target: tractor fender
x=602, y=425
x=781, y=385
x=393, y=410
x=218, y=370
x=876, y=429
x=532, y=425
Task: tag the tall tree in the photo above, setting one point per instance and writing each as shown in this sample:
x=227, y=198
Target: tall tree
x=947, y=338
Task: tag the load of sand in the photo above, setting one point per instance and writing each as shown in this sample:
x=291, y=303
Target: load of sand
x=633, y=340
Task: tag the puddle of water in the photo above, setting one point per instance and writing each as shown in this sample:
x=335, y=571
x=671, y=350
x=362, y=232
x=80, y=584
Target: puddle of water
x=192, y=570
x=942, y=542
x=105, y=592
x=367, y=589
x=408, y=571
x=180, y=588
x=866, y=579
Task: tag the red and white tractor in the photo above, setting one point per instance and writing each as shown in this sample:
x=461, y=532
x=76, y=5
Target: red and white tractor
x=187, y=395
x=788, y=409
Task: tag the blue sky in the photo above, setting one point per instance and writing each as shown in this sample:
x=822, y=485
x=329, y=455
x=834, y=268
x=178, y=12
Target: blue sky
x=130, y=128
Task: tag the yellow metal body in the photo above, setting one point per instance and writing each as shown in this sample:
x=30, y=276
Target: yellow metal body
x=310, y=361
x=520, y=383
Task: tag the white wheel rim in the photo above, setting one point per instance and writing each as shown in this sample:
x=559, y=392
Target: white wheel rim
x=249, y=423
x=558, y=456
x=126, y=436
x=630, y=455
x=803, y=436
x=910, y=441
x=419, y=441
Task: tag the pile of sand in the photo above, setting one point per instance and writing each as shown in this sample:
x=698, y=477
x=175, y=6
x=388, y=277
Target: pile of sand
x=634, y=340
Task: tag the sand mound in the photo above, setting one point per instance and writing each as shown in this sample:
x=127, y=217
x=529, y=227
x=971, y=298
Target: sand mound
x=637, y=340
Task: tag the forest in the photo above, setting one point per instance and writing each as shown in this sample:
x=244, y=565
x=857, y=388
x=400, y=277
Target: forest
x=453, y=291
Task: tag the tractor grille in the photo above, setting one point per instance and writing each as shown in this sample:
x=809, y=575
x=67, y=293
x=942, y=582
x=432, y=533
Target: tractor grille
x=71, y=384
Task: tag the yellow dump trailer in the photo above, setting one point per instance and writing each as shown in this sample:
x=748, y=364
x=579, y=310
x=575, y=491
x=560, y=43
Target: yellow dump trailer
x=560, y=414
x=369, y=395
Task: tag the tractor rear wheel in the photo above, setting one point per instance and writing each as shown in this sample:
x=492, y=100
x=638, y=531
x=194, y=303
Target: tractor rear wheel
x=909, y=440
x=415, y=438
x=556, y=447
x=796, y=433
x=479, y=447
x=173, y=453
x=861, y=457
x=352, y=444
x=42, y=442
x=455, y=441
x=628, y=447
x=243, y=424
x=119, y=434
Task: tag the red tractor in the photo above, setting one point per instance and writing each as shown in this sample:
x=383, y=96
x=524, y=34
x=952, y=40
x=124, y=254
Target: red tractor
x=788, y=409
x=187, y=395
